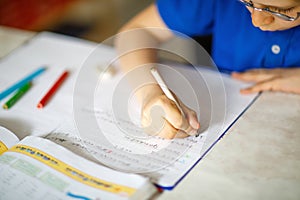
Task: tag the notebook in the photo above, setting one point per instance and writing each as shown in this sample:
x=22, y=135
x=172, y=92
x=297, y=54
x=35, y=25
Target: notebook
x=94, y=112
x=36, y=168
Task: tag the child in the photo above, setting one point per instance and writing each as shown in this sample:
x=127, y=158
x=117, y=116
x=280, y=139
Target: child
x=257, y=41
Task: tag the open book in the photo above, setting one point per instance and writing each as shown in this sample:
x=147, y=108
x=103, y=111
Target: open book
x=76, y=113
x=36, y=168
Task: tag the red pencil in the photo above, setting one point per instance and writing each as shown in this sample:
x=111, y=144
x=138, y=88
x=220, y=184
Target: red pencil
x=52, y=90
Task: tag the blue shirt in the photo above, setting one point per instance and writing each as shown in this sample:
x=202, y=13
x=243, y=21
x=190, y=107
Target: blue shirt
x=237, y=44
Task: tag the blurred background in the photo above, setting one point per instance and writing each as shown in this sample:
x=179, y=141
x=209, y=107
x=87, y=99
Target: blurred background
x=95, y=20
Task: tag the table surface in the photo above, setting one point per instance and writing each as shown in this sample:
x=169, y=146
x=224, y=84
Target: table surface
x=258, y=158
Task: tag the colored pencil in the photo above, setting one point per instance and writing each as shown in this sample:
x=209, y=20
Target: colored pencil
x=17, y=96
x=20, y=83
x=53, y=89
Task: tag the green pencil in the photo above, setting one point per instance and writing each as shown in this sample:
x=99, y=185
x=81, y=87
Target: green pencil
x=17, y=95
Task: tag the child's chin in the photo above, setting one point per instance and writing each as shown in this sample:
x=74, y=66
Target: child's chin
x=268, y=29
x=272, y=28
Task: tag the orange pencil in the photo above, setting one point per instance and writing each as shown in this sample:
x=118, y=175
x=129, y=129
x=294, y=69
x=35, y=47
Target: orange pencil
x=52, y=90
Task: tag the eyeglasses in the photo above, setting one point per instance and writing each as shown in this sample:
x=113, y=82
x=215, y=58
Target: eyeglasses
x=269, y=10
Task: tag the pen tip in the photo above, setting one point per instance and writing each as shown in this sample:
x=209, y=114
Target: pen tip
x=5, y=107
x=40, y=106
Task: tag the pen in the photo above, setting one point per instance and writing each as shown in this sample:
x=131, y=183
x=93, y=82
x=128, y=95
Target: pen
x=17, y=96
x=166, y=91
x=20, y=83
x=164, y=88
x=53, y=89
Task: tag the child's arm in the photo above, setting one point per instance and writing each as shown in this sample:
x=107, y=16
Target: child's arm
x=137, y=44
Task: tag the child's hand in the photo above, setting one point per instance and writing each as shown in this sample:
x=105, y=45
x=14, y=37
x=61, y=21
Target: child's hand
x=161, y=117
x=280, y=79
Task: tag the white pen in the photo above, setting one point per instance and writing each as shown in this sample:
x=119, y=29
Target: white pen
x=166, y=90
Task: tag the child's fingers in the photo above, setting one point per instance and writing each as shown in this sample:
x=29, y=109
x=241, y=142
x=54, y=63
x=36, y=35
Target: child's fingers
x=169, y=132
x=273, y=84
x=191, y=117
x=162, y=117
x=257, y=75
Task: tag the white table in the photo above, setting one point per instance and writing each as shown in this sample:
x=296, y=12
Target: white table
x=259, y=158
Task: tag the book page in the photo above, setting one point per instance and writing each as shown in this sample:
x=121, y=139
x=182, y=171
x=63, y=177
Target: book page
x=7, y=139
x=36, y=168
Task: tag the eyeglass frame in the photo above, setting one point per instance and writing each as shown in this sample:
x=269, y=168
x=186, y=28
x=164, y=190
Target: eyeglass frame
x=277, y=14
